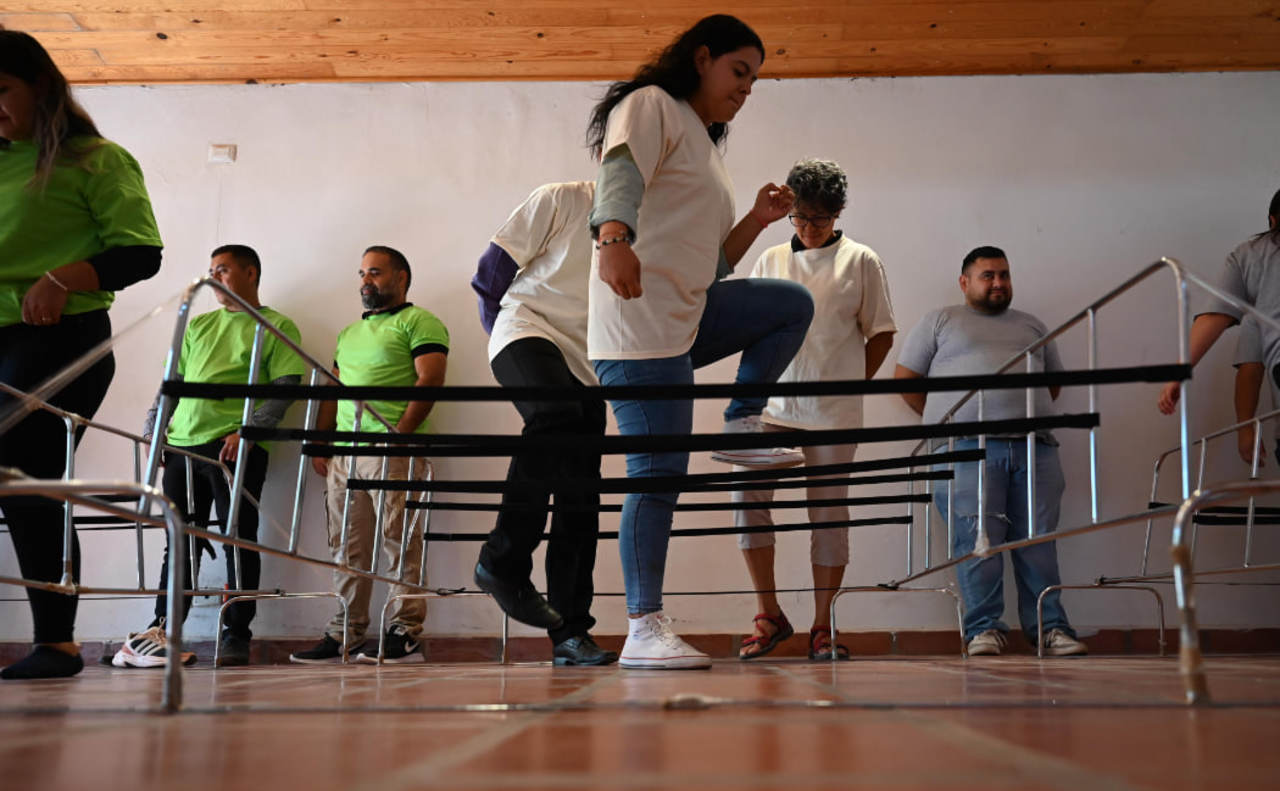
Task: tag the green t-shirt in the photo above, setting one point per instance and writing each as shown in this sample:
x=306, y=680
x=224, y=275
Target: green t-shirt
x=83, y=210
x=380, y=350
x=216, y=348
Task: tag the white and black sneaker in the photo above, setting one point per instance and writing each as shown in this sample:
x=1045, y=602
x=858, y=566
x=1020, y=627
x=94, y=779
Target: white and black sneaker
x=399, y=648
x=755, y=457
x=148, y=649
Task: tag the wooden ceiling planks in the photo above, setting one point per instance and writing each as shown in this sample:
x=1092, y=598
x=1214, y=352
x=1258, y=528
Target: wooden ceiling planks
x=155, y=41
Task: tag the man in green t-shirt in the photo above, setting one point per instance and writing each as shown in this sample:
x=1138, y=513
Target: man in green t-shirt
x=395, y=343
x=217, y=348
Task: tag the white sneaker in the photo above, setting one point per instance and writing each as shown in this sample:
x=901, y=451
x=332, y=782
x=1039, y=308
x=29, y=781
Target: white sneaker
x=988, y=643
x=148, y=649
x=755, y=457
x=651, y=644
x=1058, y=643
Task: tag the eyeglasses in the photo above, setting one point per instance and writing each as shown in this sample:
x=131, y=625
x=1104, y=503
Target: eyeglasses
x=817, y=220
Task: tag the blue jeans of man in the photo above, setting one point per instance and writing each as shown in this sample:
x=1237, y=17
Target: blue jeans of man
x=1035, y=567
x=764, y=319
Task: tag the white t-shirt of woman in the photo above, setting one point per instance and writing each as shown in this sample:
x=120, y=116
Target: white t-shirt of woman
x=548, y=238
x=685, y=216
x=850, y=305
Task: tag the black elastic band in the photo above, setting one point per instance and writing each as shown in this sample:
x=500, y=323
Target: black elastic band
x=710, y=531
x=845, y=387
x=659, y=484
x=1230, y=515
x=455, y=445
x=645, y=484
x=889, y=499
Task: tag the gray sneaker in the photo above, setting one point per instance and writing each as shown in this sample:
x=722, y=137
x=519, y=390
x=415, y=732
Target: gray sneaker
x=988, y=643
x=1058, y=643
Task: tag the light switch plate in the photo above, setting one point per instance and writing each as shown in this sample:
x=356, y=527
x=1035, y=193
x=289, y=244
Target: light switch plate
x=222, y=153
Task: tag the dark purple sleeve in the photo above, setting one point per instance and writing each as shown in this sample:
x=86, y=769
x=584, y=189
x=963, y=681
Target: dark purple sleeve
x=492, y=279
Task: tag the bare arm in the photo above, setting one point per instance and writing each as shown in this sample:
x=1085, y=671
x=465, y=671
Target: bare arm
x=914, y=400
x=772, y=203
x=877, y=349
x=1205, y=331
x=1248, y=384
x=45, y=300
x=430, y=369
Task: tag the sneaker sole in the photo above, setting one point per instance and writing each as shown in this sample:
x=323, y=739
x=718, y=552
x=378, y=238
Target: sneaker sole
x=669, y=663
x=124, y=660
x=1068, y=652
x=415, y=658
x=768, y=462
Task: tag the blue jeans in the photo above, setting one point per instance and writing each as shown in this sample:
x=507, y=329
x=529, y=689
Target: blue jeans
x=764, y=319
x=1034, y=568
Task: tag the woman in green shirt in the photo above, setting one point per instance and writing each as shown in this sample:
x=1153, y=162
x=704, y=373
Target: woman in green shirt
x=75, y=226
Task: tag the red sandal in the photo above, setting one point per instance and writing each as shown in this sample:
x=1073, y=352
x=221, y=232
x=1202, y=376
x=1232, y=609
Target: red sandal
x=820, y=645
x=782, y=630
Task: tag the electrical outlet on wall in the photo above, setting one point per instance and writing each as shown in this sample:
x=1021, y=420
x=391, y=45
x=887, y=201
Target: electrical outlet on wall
x=222, y=153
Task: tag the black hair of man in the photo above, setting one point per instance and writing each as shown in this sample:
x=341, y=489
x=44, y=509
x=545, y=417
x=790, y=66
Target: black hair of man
x=397, y=260
x=243, y=254
x=985, y=251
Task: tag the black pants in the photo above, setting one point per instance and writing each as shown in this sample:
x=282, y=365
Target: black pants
x=571, y=554
x=210, y=488
x=37, y=446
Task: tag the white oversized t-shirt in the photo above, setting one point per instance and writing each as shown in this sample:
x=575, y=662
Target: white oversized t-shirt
x=685, y=216
x=850, y=305
x=548, y=238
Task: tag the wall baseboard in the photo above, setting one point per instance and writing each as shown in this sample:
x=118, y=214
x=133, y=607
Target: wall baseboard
x=457, y=648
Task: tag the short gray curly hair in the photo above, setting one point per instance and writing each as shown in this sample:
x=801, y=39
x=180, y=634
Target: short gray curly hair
x=819, y=182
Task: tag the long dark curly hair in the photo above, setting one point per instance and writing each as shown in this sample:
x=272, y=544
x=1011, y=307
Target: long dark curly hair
x=675, y=71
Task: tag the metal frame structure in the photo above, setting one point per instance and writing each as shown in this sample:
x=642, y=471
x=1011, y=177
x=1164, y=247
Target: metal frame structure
x=79, y=492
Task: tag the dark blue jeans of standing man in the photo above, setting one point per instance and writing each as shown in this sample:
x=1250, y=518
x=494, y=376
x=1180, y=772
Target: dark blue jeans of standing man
x=1035, y=567
x=764, y=319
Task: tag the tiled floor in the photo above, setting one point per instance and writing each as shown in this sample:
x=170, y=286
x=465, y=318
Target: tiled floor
x=994, y=723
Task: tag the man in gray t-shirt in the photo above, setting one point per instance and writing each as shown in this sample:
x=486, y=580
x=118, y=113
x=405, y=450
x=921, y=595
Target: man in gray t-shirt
x=1250, y=373
x=973, y=339
x=1251, y=274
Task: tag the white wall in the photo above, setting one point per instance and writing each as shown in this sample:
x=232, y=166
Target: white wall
x=1081, y=179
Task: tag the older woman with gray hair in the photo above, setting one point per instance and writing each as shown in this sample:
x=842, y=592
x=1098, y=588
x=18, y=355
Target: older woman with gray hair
x=851, y=334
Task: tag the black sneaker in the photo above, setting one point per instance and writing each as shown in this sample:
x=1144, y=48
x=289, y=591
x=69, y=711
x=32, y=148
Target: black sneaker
x=581, y=650
x=400, y=648
x=233, y=650
x=325, y=652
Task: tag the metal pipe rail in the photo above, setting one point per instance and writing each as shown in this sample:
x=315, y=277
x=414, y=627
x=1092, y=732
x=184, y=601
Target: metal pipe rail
x=14, y=482
x=72, y=421
x=1191, y=661
x=1256, y=423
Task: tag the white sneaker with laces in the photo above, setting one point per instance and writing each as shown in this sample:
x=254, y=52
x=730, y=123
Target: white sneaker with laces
x=149, y=648
x=651, y=644
x=1058, y=643
x=755, y=457
x=988, y=643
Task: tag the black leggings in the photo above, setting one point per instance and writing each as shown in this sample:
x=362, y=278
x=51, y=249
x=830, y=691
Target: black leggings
x=37, y=446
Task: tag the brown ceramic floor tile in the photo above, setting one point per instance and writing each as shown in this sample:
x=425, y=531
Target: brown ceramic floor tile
x=1009, y=723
